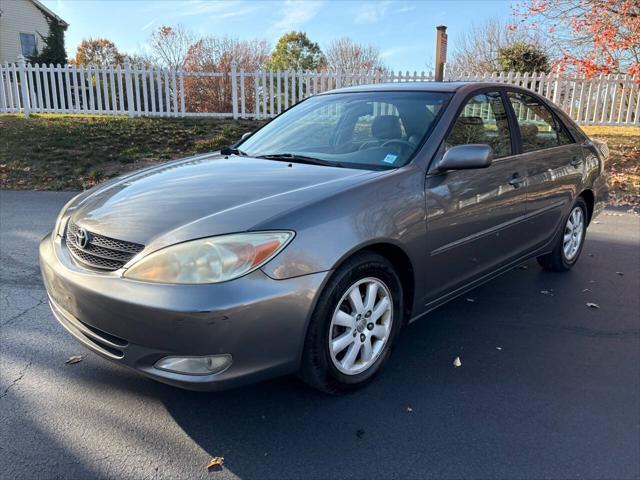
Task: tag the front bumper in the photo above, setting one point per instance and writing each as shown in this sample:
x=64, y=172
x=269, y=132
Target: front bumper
x=261, y=322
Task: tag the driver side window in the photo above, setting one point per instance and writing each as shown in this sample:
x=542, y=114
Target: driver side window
x=483, y=120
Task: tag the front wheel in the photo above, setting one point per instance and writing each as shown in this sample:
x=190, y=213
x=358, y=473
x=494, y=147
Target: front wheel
x=354, y=325
x=569, y=245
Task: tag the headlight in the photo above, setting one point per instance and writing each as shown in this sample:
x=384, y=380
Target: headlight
x=210, y=260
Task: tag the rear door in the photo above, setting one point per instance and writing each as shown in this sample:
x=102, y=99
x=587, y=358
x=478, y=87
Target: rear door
x=473, y=216
x=554, y=164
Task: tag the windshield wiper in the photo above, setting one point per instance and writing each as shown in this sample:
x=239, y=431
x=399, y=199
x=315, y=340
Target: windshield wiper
x=293, y=157
x=232, y=151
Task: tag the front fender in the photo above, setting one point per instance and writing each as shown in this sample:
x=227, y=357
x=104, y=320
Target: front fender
x=386, y=209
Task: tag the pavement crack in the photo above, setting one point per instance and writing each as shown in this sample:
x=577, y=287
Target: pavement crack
x=21, y=375
x=24, y=312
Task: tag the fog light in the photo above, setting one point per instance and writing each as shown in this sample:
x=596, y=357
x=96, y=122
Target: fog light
x=194, y=365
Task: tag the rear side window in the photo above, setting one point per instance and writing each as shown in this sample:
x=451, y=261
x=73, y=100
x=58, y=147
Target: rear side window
x=483, y=120
x=539, y=128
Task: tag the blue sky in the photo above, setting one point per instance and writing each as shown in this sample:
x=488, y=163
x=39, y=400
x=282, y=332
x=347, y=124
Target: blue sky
x=404, y=31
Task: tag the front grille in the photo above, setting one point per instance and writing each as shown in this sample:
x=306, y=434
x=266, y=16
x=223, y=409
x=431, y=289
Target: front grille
x=100, y=252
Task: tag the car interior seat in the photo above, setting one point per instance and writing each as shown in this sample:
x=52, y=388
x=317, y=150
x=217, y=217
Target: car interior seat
x=386, y=127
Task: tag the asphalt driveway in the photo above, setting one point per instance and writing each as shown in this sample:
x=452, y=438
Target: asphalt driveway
x=548, y=387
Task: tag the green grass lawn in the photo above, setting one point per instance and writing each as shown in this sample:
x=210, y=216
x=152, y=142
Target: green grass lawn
x=69, y=152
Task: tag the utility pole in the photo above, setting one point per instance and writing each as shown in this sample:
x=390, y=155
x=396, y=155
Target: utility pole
x=441, y=51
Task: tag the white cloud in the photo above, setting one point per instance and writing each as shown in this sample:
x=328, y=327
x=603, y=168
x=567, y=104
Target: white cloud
x=194, y=8
x=295, y=13
x=404, y=9
x=236, y=13
x=371, y=12
x=374, y=12
x=148, y=25
x=391, y=52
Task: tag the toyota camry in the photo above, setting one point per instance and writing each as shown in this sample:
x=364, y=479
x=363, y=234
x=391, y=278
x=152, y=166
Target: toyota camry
x=308, y=245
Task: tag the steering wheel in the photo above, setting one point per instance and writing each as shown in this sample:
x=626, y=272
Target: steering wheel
x=401, y=143
x=367, y=144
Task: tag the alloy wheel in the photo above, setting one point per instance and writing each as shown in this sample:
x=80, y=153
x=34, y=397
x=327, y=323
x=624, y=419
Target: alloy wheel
x=573, y=233
x=361, y=326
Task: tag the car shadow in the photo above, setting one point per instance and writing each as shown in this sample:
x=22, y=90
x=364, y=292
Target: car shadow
x=510, y=408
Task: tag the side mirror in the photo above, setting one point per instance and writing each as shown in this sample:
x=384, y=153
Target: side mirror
x=463, y=157
x=246, y=135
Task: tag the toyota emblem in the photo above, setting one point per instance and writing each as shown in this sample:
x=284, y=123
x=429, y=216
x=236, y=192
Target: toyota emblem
x=82, y=238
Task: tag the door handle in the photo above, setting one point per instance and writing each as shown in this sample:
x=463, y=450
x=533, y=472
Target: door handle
x=576, y=162
x=516, y=180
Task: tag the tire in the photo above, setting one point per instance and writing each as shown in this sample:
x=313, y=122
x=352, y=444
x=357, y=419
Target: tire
x=565, y=253
x=331, y=371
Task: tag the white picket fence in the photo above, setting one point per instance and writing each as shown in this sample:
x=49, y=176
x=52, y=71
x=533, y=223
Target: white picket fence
x=155, y=91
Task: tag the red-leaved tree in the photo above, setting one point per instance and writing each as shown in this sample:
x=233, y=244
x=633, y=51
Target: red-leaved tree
x=593, y=36
x=215, y=55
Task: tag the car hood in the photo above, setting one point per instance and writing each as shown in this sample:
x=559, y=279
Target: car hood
x=204, y=196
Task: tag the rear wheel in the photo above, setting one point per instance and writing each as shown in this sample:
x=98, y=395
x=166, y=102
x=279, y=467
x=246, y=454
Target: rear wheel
x=568, y=247
x=354, y=325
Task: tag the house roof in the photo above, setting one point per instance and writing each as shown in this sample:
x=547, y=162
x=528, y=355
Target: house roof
x=49, y=13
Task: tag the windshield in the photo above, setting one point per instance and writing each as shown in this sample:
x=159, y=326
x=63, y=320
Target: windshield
x=372, y=130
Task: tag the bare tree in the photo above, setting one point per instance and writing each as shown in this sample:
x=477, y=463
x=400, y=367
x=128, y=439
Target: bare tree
x=141, y=59
x=170, y=45
x=478, y=48
x=214, y=54
x=345, y=54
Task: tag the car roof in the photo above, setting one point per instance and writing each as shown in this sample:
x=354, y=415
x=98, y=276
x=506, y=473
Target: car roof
x=450, y=87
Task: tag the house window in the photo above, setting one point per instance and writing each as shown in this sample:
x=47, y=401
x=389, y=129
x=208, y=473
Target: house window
x=28, y=44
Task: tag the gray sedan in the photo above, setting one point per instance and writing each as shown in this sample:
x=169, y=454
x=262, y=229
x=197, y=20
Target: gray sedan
x=308, y=245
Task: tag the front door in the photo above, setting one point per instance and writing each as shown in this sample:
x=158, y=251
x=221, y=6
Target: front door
x=473, y=216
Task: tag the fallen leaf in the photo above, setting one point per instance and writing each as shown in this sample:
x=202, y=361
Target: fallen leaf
x=74, y=359
x=215, y=462
x=409, y=409
x=592, y=305
x=620, y=273
x=456, y=362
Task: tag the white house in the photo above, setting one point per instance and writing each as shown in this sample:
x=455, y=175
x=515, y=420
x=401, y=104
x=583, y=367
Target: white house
x=21, y=24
